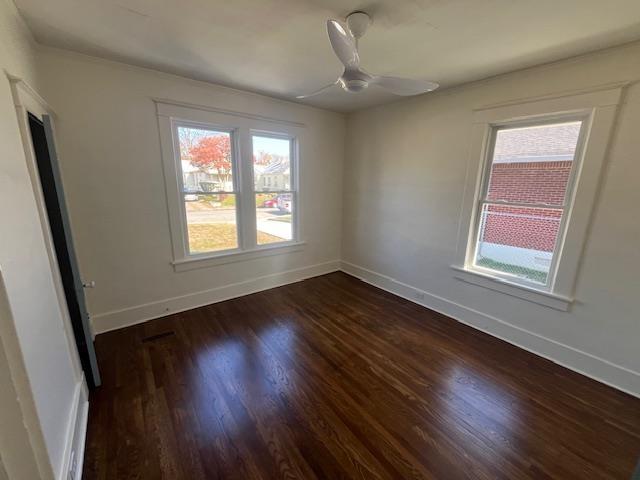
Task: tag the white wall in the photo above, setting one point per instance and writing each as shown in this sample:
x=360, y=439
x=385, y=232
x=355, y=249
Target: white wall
x=404, y=174
x=22, y=447
x=3, y=471
x=405, y=168
x=42, y=362
x=112, y=171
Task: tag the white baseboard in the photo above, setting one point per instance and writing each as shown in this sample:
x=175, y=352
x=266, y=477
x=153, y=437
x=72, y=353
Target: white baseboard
x=589, y=365
x=141, y=313
x=76, y=433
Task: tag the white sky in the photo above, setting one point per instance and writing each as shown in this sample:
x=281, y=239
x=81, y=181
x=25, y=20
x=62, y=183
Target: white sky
x=276, y=146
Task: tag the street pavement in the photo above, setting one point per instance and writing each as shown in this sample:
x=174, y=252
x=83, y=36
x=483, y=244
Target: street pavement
x=266, y=219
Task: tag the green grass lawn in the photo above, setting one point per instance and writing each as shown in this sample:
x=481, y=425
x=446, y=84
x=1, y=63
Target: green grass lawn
x=535, y=275
x=211, y=237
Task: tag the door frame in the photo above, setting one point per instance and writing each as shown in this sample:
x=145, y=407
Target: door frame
x=26, y=100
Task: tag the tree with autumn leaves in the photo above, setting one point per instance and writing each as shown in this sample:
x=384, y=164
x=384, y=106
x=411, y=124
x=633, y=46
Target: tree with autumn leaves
x=262, y=158
x=212, y=154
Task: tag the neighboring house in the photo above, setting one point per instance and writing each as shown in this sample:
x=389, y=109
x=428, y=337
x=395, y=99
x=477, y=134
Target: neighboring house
x=196, y=180
x=527, y=168
x=274, y=176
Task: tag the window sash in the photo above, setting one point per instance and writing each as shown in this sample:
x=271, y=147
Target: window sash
x=234, y=144
x=293, y=159
x=294, y=217
x=215, y=253
x=235, y=174
x=570, y=192
x=293, y=184
x=507, y=275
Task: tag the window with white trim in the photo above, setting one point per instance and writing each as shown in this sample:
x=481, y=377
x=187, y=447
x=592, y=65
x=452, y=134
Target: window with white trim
x=231, y=184
x=534, y=173
x=526, y=191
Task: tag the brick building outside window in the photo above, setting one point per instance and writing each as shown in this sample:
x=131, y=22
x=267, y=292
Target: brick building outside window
x=525, y=197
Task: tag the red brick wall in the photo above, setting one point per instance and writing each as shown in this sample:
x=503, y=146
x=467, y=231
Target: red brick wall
x=539, y=182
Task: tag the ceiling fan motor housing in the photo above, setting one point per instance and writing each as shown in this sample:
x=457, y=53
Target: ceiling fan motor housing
x=354, y=80
x=355, y=86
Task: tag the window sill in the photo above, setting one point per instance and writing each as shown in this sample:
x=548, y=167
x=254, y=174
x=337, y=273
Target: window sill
x=213, y=260
x=531, y=294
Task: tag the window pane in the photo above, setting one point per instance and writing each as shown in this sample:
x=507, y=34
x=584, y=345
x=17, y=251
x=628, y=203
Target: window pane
x=533, y=164
x=271, y=163
x=211, y=222
x=518, y=241
x=274, y=217
x=206, y=160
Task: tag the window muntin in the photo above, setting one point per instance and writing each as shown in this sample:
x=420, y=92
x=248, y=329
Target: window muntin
x=274, y=188
x=209, y=196
x=522, y=209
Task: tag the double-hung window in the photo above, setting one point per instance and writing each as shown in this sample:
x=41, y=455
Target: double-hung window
x=527, y=186
x=207, y=157
x=232, y=185
x=273, y=188
x=526, y=213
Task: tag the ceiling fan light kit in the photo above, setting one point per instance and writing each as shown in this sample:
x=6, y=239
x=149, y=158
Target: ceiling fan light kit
x=344, y=41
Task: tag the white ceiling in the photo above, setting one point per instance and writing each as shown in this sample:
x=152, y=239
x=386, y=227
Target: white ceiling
x=280, y=47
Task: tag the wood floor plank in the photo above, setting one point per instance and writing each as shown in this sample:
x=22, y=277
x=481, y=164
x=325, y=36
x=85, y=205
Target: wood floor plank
x=331, y=378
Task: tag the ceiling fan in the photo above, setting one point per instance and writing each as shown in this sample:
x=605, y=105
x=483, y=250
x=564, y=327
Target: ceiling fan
x=344, y=41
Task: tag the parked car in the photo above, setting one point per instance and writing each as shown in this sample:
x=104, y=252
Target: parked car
x=270, y=203
x=284, y=203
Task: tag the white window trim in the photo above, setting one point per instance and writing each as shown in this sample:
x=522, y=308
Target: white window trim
x=474, y=233
x=597, y=110
x=241, y=126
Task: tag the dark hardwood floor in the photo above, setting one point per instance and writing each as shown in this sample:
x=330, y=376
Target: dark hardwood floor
x=331, y=378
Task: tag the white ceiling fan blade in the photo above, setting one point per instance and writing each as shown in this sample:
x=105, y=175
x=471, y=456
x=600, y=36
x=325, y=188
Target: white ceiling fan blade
x=404, y=86
x=319, y=91
x=343, y=43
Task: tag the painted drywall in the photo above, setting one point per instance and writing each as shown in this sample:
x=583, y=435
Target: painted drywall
x=110, y=156
x=42, y=365
x=3, y=471
x=16, y=451
x=405, y=167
